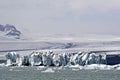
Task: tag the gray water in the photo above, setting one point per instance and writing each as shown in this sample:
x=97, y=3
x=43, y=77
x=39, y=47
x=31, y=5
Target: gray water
x=34, y=73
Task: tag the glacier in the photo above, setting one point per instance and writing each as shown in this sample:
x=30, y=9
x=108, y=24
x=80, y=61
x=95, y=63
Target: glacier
x=80, y=60
x=13, y=59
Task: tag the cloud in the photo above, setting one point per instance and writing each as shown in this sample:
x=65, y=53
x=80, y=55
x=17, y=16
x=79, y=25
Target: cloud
x=63, y=7
x=102, y=6
x=61, y=15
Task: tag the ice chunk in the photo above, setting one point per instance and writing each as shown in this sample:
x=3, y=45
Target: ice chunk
x=48, y=70
x=98, y=67
x=3, y=64
x=40, y=67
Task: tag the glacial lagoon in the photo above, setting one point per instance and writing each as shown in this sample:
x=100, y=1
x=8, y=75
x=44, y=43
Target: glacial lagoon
x=56, y=73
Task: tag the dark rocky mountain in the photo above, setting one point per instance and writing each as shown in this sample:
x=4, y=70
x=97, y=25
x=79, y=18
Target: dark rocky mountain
x=9, y=31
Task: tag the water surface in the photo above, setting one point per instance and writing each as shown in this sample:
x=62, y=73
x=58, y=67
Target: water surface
x=36, y=73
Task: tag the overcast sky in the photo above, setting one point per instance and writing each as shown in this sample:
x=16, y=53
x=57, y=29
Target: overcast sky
x=62, y=16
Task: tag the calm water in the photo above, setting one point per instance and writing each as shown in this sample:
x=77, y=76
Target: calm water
x=35, y=73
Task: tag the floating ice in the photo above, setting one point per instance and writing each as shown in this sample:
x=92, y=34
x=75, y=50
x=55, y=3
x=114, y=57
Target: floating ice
x=3, y=64
x=40, y=67
x=10, y=69
x=48, y=70
x=97, y=66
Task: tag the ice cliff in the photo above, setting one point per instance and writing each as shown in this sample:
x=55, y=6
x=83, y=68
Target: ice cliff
x=54, y=59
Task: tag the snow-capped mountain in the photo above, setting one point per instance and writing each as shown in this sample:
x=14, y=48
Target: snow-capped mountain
x=13, y=39
x=9, y=31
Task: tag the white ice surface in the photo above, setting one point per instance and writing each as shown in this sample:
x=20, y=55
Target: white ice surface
x=48, y=70
x=96, y=67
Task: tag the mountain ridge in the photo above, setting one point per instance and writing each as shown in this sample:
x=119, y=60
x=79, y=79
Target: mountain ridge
x=9, y=31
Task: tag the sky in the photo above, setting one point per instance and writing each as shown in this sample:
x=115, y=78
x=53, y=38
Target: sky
x=62, y=16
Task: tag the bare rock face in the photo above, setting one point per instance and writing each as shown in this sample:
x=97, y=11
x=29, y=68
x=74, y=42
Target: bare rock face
x=9, y=31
